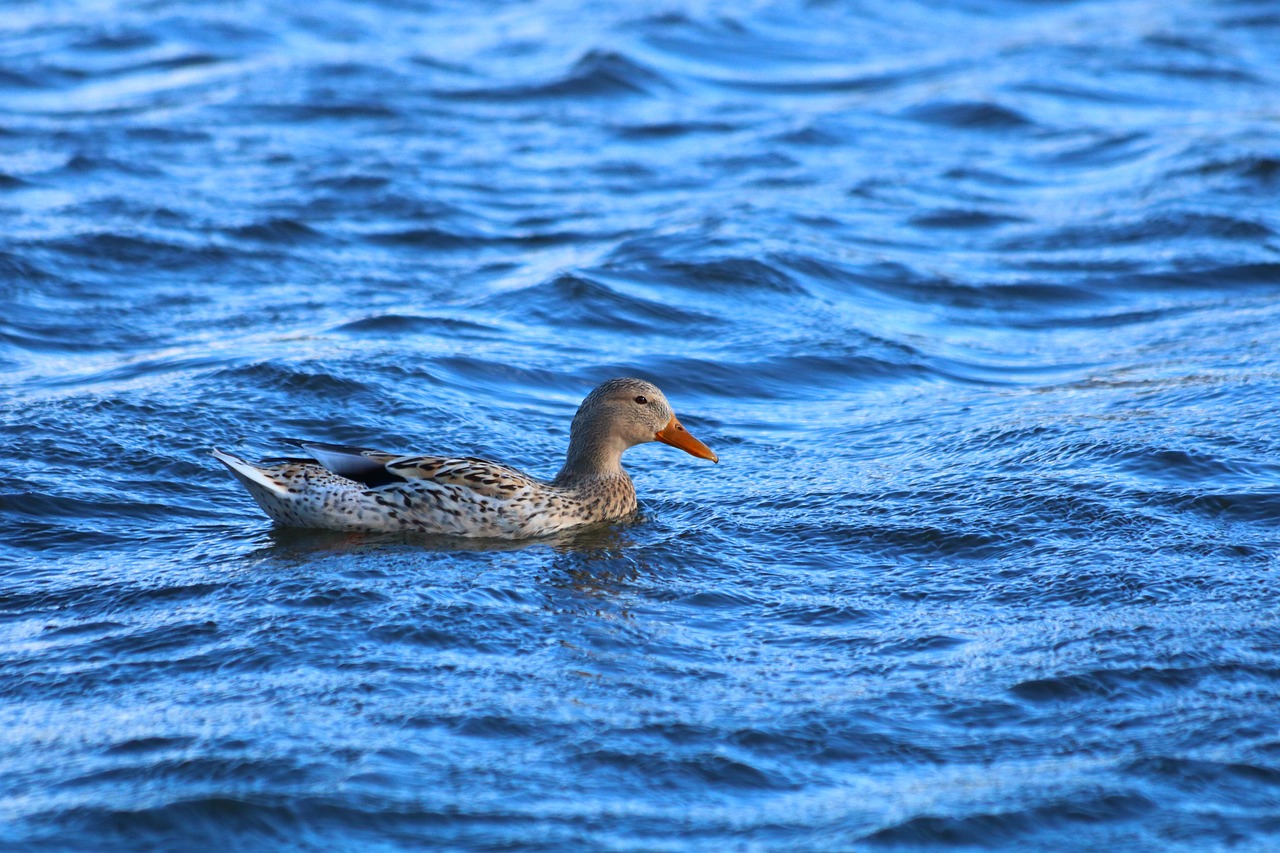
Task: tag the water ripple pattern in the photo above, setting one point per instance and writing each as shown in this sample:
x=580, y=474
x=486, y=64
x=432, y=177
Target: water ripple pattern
x=979, y=304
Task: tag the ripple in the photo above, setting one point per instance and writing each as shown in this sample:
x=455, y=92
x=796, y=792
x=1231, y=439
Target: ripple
x=443, y=240
x=131, y=249
x=294, y=381
x=987, y=828
x=123, y=39
x=597, y=74
x=395, y=325
x=963, y=115
x=287, y=114
x=778, y=378
x=576, y=301
x=1172, y=226
x=277, y=230
x=1211, y=278
x=149, y=745
x=665, y=773
x=962, y=219
x=1110, y=683
x=1102, y=149
x=426, y=238
x=673, y=129
x=726, y=275
x=206, y=818
x=1257, y=172
x=1193, y=775
x=1258, y=507
x=824, y=614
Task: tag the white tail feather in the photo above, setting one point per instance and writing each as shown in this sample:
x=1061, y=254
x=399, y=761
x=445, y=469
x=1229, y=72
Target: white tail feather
x=249, y=473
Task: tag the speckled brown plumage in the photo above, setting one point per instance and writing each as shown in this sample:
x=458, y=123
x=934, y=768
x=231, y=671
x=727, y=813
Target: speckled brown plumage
x=351, y=488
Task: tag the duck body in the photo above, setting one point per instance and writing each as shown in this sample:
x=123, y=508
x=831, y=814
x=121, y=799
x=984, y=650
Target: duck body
x=428, y=494
x=358, y=489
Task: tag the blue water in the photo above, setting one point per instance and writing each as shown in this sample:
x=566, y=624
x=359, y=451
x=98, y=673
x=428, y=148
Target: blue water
x=979, y=303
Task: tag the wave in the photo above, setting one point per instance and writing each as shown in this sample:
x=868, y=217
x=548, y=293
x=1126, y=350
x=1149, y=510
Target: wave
x=596, y=74
x=136, y=250
x=279, y=230
x=1055, y=818
x=396, y=325
x=969, y=115
x=574, y=301
x=1152, y=228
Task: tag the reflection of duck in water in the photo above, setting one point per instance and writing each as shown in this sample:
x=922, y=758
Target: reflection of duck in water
x=351, y=488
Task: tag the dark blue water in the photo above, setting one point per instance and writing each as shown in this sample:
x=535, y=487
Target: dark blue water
x=978, y=302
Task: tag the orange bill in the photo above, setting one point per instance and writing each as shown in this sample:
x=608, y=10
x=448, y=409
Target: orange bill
x=676, y=435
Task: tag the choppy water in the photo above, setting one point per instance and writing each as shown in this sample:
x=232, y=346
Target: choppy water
x=978, y=303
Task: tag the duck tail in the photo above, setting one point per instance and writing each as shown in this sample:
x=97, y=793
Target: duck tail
x=251, y=475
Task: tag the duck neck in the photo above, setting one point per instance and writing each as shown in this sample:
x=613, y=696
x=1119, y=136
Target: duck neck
x=592, y=455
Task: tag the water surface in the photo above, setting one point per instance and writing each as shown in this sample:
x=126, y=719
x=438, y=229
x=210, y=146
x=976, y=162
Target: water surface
x=976, y=301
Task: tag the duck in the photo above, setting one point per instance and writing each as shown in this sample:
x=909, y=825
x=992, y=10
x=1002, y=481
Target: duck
x=357, y=489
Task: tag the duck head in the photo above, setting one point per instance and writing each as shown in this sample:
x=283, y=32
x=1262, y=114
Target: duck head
x=621, y=413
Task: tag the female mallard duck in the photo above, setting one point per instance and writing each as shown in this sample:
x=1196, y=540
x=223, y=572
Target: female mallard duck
x=351, y=488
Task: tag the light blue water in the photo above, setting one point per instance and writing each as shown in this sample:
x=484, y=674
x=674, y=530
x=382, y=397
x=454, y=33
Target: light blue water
x=977, y=302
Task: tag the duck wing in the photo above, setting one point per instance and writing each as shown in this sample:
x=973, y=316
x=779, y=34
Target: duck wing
x=375, y=468
x=492, y=479
x=355, y=463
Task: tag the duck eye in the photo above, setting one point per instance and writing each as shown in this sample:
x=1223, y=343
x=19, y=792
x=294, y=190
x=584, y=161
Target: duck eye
x=642, y=399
